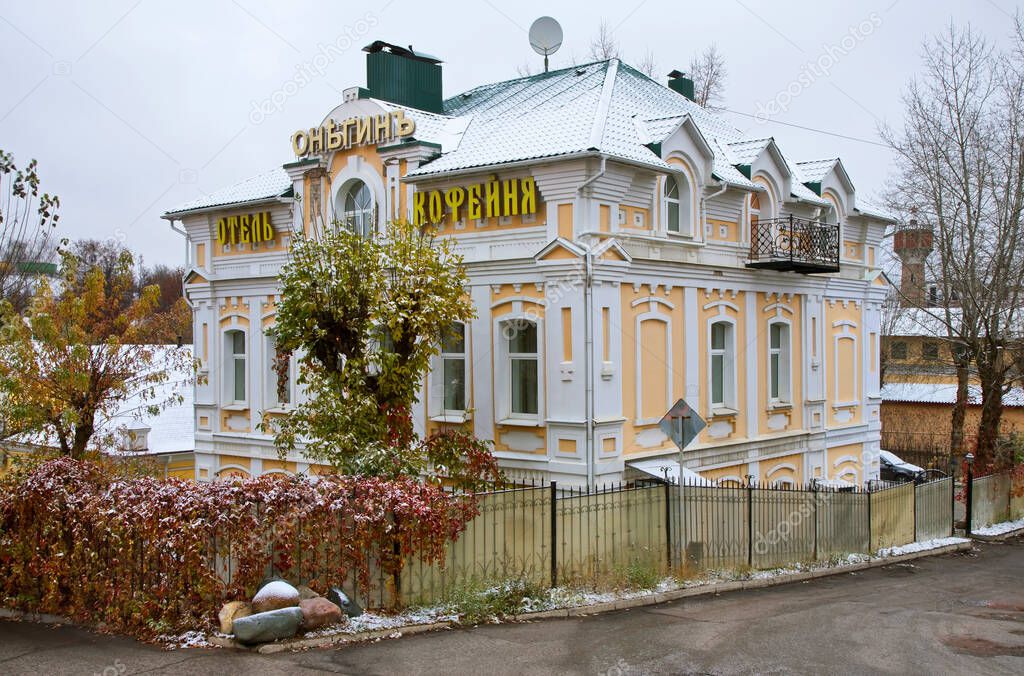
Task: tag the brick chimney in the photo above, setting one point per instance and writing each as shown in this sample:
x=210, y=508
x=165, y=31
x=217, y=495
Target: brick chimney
x=912, y=242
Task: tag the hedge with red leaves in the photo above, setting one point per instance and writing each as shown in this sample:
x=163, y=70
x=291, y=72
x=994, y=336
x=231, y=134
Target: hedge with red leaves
x=149, y=556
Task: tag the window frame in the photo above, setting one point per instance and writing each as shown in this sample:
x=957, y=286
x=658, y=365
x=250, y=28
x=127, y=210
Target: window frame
x=728, y=355
x=354, y=219
x=783, y=374
x=271, y=374
x=445, y=356
x=902, y=349
x=231, y=360
x=930, y=350
x=502, y=383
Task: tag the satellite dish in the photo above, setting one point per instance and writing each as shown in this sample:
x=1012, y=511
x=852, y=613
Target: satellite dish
x=545, y=37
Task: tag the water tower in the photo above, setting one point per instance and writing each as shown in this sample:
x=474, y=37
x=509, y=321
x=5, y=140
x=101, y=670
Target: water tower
x=912, y=242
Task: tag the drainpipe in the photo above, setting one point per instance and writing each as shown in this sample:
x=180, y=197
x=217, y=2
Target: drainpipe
x=181, y=231
x=588, y=355
x=588, y=340
x=704, y=211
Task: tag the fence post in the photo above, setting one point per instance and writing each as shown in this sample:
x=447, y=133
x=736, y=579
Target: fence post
x=668, y=524
x=969, y=525
x=814, y=502
x=554, y=534
x=870, y=551
x=915, y=512
x=750, y=520
x=952, y=496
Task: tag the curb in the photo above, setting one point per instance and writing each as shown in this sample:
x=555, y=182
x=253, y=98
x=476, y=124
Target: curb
x=998, y=538
x=715, y=589
x=733, y=585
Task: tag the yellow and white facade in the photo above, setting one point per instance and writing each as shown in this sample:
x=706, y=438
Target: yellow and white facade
x=625, y=248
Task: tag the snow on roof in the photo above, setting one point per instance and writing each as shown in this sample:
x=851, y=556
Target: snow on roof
x=927, y=322
x=814, y=171
x=605, y=107
x=746, y=152
x=943, y=393
x=274, y=183
x=173, y=428
x=873, y=210
x=663, y=468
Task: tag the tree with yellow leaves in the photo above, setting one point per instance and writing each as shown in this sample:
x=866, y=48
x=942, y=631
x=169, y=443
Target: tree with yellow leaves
x=78, y=352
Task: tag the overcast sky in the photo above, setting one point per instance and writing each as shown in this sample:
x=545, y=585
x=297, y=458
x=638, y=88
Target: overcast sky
x=134, y=107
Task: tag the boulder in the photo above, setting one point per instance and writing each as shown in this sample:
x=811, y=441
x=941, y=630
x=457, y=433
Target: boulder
x=274, y=595
x=231, y=612
x=269, y=626
x=319, y=612
x=306, y=593
x=340, y=599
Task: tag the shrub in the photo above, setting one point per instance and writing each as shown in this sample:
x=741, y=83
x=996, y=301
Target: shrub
x=476, y=602
x=150, y=556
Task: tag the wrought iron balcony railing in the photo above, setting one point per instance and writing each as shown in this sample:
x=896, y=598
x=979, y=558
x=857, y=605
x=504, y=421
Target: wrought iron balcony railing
x=794, y=244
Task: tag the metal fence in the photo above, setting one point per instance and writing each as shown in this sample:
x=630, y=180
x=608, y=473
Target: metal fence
x=551, y=536
x=995, y=498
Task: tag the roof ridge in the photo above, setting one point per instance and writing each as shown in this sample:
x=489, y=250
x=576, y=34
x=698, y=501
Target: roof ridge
x=604, y=104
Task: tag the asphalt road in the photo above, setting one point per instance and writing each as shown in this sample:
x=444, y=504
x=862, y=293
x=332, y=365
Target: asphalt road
x=959, y=613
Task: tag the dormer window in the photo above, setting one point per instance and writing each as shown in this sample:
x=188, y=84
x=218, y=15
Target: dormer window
x=677, y=204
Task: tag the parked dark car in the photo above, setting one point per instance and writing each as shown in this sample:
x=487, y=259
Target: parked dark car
x=893, y=468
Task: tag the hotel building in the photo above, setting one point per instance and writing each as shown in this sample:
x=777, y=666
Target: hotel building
x=625, y=248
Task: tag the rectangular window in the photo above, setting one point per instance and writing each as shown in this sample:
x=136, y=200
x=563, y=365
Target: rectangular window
x=280, y=378
x=722, y=364
x=778, y=362
x=930, y=350
x=238, y=364
x=898, y=350
x=523, y=367
x=453, y=367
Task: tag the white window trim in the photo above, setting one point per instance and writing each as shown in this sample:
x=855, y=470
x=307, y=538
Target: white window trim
x=729, y=384
x=229, y=358
x=689, y=209
x=272, y=403
x=436, y=409
x=785, y=351
x=847, y=334
x=666, y=321
x=502, y=385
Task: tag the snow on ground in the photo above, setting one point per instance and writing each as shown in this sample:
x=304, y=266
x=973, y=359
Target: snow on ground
x=1000, y=528
x=915, y=547
x=190, y=639
x=570, y=597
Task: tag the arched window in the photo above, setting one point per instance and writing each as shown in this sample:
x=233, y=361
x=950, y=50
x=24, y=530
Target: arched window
x=677, y=204
x=357, y=208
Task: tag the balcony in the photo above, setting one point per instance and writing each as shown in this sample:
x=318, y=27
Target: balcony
x=793, y=244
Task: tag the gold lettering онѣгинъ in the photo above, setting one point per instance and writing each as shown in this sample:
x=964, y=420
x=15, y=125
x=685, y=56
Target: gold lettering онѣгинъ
x=352, y=132
x=493, y=199
x=245, y=229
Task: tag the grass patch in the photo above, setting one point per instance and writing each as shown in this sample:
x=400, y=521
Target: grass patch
x=477, y=602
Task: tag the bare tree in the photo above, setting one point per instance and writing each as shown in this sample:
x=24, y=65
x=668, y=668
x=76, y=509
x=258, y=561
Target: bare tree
x=27, y=221
x=647, y=65
x=960, y=158
x=708, y=72
x=603, y=46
